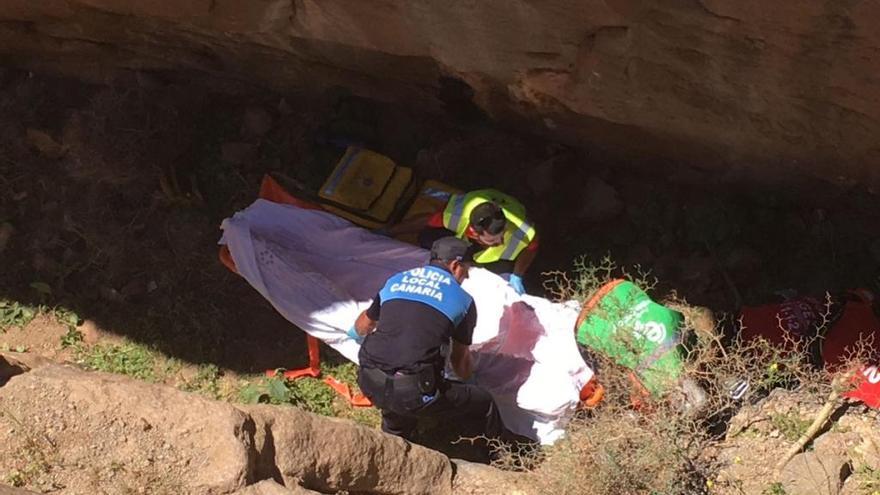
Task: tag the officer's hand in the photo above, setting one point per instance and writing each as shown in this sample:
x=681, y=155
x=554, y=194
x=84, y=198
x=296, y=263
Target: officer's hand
x=353, y=335
x=516, y=282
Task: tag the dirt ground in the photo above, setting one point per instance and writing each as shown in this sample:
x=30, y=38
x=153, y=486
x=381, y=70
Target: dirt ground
x=112, y=198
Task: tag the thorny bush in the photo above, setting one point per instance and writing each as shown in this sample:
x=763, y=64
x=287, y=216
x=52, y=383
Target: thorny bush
x=664, y=445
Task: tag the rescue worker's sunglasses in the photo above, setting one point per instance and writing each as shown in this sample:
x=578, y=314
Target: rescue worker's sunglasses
x=484, y=223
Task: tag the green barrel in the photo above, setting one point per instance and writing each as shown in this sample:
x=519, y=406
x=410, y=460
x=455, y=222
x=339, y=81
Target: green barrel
x=623, y=323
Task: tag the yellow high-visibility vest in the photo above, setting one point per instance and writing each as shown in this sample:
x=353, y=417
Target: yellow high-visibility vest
x=517, y=234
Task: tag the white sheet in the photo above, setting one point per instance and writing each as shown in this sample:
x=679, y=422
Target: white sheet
x=319, y=271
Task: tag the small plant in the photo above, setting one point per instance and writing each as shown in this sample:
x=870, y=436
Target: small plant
x=311, y=395
x=73, y=338
x=15, y=314
x=206, y=381
x=790, y=425
x=869, y=478
x=129, y=359
x=19, y=348
x=588, y=277
x=16, y=478
x=775, y=488
x=33, y=458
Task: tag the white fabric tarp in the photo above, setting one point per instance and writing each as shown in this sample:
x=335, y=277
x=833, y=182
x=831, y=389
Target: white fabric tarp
x=319, y=271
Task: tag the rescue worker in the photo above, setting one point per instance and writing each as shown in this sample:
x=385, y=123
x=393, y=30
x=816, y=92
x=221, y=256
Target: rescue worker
x=417, y=313
x=505, y=242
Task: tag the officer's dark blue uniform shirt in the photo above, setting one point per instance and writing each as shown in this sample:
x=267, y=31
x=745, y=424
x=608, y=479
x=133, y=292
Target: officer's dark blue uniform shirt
x=418, y=311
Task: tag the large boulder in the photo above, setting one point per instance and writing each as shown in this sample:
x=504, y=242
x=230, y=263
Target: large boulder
x=329, y=454
x=270, y=487
x=778, y=87
x=9, y=490
x=100, y=433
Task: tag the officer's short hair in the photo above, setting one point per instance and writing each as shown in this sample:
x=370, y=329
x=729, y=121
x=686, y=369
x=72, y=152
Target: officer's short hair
x=451, y=248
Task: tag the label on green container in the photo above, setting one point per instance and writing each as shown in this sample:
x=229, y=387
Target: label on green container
x=635, y=332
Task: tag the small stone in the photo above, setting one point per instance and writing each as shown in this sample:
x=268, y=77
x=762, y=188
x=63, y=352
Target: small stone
x=601, y=201
x=134, y=288
x=810, y=474
x=284, y=107
x=91, y=334
x=6, y=232
x=256, y=122
x=45, y=144
x=237, y=153
x=110, y=294
x=540, y=178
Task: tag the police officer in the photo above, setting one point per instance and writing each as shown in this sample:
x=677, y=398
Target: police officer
x=504, y=241
x=416, y=314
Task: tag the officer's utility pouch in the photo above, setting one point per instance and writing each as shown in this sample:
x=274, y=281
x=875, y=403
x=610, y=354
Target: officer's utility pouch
x=428, y=380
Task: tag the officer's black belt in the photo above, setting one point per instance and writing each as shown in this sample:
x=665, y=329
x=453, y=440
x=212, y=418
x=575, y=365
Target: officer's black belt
x=423, y=381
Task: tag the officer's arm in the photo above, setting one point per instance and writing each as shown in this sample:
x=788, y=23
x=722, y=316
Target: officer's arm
x=367, y=320
x=364, y=325
x=460, y=359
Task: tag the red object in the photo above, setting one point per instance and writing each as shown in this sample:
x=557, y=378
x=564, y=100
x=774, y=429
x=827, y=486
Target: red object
x=591, y=394
x=799, y=318
x=780, y=324
x=272, y=191
x=867, y=387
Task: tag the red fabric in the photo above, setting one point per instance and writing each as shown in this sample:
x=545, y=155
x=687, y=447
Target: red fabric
x=867, y=387
x=858, y=321
x=436, y=220
x=799, y=318
x=780, y=323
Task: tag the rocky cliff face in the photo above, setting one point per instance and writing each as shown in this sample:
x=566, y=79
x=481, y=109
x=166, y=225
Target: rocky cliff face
x=726, y=83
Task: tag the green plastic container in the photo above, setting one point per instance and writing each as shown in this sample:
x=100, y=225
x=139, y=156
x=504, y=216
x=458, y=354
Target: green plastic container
x=623, y=323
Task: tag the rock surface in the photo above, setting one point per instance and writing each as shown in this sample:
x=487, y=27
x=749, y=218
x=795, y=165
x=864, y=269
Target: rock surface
x=792, y=85
x=8, y=490
x=330, y=454
x=842, y=460
x=269, y=487
x=72, y=431
x=811, y=474
x=102, y=432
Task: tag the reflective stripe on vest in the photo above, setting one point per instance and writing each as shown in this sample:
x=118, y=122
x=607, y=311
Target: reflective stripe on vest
x=456, y=213
x=515, y=240
x=507, y=251
x=431, y=286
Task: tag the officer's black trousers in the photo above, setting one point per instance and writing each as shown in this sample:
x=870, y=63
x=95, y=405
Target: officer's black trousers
x=402, y=404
